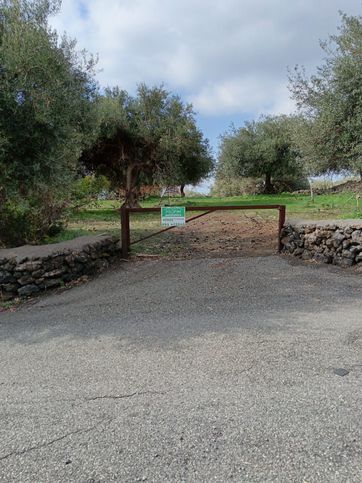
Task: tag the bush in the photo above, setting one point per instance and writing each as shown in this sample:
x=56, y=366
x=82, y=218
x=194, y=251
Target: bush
x=236, y=186
x=288, y=184
x=87, y=189
x=25, y=221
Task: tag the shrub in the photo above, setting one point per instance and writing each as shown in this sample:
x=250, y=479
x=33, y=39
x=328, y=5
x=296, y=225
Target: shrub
x=25, y=220
x=238, y=186
x=87, y=189
x=235, y=186
x=289, y=184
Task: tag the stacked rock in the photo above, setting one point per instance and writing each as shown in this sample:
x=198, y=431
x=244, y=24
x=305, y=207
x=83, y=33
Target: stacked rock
x=337, y=242
x=29, y=270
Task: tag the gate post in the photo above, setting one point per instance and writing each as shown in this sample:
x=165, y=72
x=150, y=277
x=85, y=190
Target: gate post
x=125, y=231
x=281, y=225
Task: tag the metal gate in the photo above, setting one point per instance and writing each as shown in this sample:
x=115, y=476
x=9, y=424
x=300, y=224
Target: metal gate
x=125, y=218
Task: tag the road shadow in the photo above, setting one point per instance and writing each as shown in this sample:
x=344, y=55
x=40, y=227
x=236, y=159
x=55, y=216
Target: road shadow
x=161, y=303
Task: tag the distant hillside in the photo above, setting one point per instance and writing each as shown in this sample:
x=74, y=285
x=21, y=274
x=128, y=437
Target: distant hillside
x=348, y=186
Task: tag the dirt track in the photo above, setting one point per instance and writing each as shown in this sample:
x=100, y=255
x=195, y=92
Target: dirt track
x=218, y=234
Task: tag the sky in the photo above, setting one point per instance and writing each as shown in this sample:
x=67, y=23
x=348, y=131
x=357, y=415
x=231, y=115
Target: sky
x=229, y=58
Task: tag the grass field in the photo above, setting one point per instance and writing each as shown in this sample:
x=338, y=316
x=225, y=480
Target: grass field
x=104, y=216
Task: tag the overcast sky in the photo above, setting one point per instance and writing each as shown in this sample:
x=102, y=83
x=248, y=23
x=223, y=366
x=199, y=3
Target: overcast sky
x=228, y=57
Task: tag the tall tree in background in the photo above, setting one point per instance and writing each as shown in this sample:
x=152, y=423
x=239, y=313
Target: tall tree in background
x=259, y=149
x=150, y=138
x=191, y=160
x=47, y=92
x=330, y=103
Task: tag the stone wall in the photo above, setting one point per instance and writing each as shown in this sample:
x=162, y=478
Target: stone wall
x=336, y=242
x=29, y=270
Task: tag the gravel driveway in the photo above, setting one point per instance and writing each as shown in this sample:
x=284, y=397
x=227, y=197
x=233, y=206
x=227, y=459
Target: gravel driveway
x=241, y=369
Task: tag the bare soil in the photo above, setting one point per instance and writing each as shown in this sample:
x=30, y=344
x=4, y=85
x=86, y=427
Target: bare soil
x=223, y=234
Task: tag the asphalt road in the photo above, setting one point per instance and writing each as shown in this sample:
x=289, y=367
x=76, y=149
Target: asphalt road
x=196, y=371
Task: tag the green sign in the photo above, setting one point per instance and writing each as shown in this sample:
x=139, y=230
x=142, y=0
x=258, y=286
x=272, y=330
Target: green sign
x=173, y=215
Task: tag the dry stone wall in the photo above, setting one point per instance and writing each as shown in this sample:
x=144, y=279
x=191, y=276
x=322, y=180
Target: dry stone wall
x=29, y=270
x=336, y=242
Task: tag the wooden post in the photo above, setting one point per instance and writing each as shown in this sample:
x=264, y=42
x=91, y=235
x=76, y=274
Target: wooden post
x=128, y=231
x=125, y=231
x=281, y=225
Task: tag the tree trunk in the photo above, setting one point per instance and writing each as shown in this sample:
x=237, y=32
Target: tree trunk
x=182, y=192
x=268, y=184
x=311, y=190
x=132, y=191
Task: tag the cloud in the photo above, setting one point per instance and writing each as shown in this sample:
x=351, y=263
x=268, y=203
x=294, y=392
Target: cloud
x=244, y=95
x=226, y=57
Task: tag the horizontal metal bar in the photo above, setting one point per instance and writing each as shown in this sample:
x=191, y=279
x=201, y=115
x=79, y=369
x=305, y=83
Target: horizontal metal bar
x=206, y=209
x=198, y=216
x=167, y=229
x=150, y=236
x=210, y=208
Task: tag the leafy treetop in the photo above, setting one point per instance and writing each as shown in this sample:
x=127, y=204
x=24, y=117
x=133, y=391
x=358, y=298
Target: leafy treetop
x=259, y=149
x=329, y=134
x=146, y=139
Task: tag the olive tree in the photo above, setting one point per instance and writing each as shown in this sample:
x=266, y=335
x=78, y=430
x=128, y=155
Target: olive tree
x=259, y=149
x=47, y=92
x=149, y=138
x=330, y=103
x=191, y=159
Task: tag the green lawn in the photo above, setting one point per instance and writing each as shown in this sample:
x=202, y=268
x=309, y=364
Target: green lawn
x=324, y=206
x=104, y=217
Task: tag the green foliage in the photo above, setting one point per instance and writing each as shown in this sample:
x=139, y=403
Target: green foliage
x=31, y=218
x=235, y=186
x=146, y=139
x=104, y=217
x=290, y=183
x=47, y=91
x=258, y=149
x=87, y=189
x=238, y=186
x=329, y=134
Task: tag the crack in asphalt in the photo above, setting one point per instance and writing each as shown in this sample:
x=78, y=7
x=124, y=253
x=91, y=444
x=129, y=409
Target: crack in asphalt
x=247, y=369
x=124, y=396
x=79, y=401
x=56, y=440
